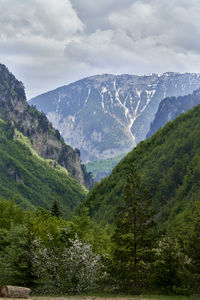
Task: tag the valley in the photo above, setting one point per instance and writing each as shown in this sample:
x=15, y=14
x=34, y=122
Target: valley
x=100, y=150
x=136, y=230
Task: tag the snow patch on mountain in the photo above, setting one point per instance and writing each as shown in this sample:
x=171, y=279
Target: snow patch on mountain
x=105, y=115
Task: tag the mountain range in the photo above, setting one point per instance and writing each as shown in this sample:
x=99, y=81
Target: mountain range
x=37, y=167
x=106, y=115
x=38, y=171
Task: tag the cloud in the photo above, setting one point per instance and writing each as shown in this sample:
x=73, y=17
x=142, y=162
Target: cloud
x=49, y=19
x=51, y=43
x=146, y=36
x=173, y=24
x=95, y=14
x=33, y=35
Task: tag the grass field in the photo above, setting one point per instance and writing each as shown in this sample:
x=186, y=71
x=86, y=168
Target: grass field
x=142, y=297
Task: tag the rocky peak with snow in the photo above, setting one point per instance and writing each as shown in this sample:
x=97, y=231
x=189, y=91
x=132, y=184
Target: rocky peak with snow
x=105, y=115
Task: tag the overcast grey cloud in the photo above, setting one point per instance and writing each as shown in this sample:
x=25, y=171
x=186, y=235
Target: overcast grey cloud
x=50, y=43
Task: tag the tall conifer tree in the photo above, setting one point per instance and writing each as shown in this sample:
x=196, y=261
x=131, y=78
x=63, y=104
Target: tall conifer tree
x=134, y=236
x=55, y=210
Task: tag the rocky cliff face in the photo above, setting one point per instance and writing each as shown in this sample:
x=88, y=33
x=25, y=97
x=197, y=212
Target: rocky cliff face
x=45, y=140
x=172, y=107
x=105, y=115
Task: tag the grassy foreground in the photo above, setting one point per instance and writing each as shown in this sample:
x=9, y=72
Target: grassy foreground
x=141, y=297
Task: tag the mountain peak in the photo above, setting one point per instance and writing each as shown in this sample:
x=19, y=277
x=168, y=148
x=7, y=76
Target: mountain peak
x=106, y=115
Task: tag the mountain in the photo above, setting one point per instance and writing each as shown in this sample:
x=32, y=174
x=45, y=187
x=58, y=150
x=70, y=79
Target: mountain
x=106, y=115
x=36, y=166
x=46, y=141
x=172, y=107
x=31, y=180
x=169, y=166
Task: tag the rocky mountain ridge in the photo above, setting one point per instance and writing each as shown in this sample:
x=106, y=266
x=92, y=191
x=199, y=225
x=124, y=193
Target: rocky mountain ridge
x=45, y=140
x=172, y=107
x=106, y=115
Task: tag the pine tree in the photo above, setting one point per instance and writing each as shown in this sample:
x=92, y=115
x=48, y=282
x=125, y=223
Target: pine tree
x=134, y=236
x=55, y=210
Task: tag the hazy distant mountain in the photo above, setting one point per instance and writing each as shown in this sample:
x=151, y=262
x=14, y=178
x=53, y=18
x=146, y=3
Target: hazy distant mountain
x=172, y=107
x=105, y=115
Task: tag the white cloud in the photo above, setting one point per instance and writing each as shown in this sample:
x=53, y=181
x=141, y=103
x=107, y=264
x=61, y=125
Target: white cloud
x=146, y=36
x=51, y=43
x=49, y=19
x=174, y=24
x=33, y=35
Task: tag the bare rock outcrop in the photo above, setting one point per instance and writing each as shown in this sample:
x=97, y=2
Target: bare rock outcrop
x=34, y=124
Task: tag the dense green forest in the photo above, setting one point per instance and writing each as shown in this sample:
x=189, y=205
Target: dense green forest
x=169, y=165
x=51, y=255
x=31, y=180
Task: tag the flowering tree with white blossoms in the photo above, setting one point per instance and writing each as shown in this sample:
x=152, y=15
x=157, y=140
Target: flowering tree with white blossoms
x=73, y=269
x=81, y=268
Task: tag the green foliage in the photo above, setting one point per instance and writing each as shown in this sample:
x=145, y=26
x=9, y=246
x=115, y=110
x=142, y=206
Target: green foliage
x=134, y=236
x=15, y=258
x=55, y=210
x=46, y=253
x=103, y=167
x=169, y=265
x=31, y=180
x=10, y=213
x=190, y=242
x=88, y=231
x=169, y=165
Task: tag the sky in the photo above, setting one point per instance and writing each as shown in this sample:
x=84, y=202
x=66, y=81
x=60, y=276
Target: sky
x=47, y=44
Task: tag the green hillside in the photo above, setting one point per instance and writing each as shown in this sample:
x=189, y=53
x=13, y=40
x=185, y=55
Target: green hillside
x=31, y=180
x=169, y=164
x=103, y=167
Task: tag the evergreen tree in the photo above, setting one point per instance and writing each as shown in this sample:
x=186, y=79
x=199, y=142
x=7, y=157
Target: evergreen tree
x=55, y=210
x=134, y=236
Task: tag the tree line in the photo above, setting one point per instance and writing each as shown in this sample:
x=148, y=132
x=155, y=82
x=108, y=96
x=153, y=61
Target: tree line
x=52, y=255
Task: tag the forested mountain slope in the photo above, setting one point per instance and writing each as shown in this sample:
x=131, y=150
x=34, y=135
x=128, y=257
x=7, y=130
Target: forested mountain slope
x=169, y=164
x=31, y=180
x=44, y=139
x=36, y=166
